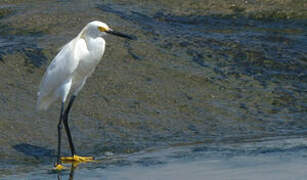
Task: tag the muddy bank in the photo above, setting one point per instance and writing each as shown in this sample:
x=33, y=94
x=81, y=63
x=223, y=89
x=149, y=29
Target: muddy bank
x=201, y=71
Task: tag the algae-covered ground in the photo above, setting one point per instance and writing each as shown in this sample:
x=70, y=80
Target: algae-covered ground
x=201, y=71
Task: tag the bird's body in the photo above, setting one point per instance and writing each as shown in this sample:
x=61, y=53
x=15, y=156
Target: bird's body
x=68, y=72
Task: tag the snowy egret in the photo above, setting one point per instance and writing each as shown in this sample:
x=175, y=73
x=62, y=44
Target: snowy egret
x=68, y=72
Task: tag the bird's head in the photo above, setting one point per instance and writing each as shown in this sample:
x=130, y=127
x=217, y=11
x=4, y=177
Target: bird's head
x=99, y=29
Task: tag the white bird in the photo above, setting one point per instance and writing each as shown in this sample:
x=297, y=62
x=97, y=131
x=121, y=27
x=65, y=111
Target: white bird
x=68, y=72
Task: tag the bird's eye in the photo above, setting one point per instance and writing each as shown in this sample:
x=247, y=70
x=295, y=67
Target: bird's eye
x=102, y=29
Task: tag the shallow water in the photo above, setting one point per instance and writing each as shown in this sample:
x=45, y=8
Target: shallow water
x=208, y=73
x=270, y=158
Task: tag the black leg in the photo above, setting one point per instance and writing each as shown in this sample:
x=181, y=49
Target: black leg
x=59, y=134
x=72, y=172
x=65, y=121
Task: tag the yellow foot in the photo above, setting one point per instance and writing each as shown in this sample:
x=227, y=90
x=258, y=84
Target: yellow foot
x=59, y=167
x=76, y=158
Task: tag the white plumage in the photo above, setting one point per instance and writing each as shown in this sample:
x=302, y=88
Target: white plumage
x=68, y=72
x=75, y=62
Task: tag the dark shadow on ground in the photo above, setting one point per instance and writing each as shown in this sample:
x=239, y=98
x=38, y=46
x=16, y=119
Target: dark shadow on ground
x=34, y=151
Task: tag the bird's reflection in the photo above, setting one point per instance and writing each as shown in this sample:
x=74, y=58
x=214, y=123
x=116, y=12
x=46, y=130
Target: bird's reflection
x=73, y=166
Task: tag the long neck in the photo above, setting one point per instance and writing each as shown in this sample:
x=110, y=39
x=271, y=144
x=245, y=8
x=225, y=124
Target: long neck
x=95, y=45
x=90, y=41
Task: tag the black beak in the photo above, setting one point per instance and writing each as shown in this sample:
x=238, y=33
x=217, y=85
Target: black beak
x=121, y=35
